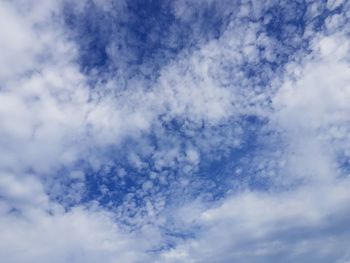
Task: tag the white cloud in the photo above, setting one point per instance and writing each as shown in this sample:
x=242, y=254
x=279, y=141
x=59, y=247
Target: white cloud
x=50, y=118
x=306, y=222
x=260, y=227
x=79, y=235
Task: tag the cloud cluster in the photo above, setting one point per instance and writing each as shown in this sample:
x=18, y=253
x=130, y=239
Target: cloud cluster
x=210, y=132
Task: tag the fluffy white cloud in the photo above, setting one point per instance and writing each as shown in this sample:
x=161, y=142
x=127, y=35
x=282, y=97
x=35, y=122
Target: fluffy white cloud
x=297, y=225
x=79, y=235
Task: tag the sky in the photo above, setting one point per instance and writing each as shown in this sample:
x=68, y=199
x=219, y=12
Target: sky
x=175, y=131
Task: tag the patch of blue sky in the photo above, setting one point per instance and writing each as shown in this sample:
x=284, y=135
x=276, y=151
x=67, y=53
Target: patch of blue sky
x=221, y=169
x=134, y=33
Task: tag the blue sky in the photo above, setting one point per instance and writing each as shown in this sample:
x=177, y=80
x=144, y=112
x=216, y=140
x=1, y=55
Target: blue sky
x=174, y=131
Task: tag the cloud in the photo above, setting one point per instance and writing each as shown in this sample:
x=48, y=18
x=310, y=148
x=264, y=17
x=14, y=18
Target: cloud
x=78, y=235
x=301, y=224
x=211, y=132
